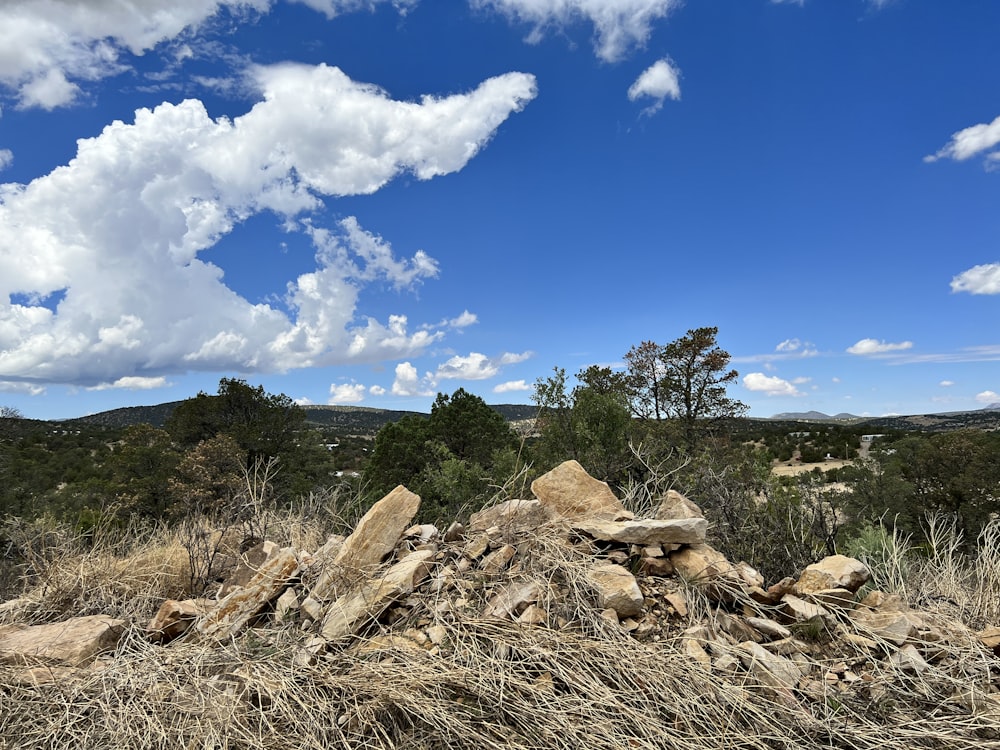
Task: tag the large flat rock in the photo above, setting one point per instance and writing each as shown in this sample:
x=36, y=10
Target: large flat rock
x=72, y=642
x=646, y=531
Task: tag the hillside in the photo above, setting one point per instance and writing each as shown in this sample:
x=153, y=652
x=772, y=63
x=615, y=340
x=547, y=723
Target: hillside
x=362, y=420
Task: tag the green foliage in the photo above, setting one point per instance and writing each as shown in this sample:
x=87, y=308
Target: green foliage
x=449, y=458
x=776, y=526
x=956, y=473
x=265, y=426
x=591, y=424
x=140, y=468
x=684, y=381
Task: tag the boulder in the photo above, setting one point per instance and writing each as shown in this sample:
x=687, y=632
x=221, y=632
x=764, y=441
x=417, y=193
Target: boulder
x=894, y=627
x=776, y=672
x=674, y=506
x=511, y=601
x=350, y=612
x=570, y=493
x=645, y=531
x=372, y=540
x=616, y=589
x=73, y=642
x=833, y=572
x=247, y=567
x=498, y=559
x=239, y=607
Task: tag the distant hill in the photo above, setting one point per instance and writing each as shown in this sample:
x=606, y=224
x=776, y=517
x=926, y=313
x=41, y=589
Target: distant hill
x=813, y=416
x=361, y=420
x=987, y=418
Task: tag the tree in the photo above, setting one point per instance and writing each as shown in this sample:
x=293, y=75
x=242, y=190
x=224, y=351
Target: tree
x=684, y=381
x=264, y=425
x=447, y=458
x=140, y=467
x=590, y=424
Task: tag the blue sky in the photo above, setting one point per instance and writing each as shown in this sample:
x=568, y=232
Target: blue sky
x=368, y=202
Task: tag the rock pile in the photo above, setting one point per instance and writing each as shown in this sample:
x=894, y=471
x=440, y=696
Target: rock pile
x=570, y=559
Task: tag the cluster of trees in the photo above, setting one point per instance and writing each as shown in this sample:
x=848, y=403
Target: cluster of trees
x=198, y=463
x=670, y=398
x=665, y=421
x=453, y=459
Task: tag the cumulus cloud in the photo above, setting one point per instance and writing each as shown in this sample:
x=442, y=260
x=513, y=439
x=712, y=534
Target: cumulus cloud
x=970, y=142
x=988, y=397
x=408, y=382
x=511, y=386
x=101, y=295
x=769, y=385
x=48, y=45
x=477, y=366
x=946, y=383
x=346, y=393
x=619, y=25
x=874, y=346
x=659, y=81
x=6, y=158
x=984, y=279
x=788, y=345
x=132, y=384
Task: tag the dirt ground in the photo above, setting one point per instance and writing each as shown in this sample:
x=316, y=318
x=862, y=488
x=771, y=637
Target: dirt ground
x=794, y=468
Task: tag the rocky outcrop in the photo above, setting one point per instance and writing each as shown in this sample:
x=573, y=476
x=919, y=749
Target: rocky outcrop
x=568, y=572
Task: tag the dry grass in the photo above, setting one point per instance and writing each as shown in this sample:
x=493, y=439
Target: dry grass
x=577, y=682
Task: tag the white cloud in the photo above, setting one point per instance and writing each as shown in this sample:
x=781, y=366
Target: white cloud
x=874, y=346
x=8, y=386
x=970, y=142
x=46, y=45
x=409, y=383
x=134, y=298
x=464, y=320
x=132, y=383
x=346, y=393
x=6, y=158
x=512, y=386
x=659, y=81
x=946, y=383
x=377, y=390
x=477, y=366
x=788, y=345
x=619, y=25
x=984, y=279
x=768, y=385
x=988, y=397
x=333, y=8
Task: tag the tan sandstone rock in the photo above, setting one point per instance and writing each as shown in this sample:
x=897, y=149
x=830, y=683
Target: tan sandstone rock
x=174, y=618
x=616, y=589
x=72, y=642
x=350, y=612
x=833, y=572
x=675, y=506
x=571, y=493
x=645, y=531
x=233, y=612
x=512, y=517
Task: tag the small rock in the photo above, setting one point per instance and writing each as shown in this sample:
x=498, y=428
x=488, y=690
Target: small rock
x=617, y=589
